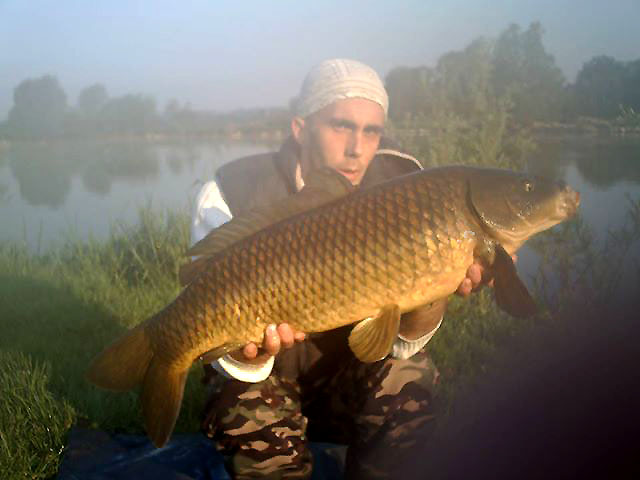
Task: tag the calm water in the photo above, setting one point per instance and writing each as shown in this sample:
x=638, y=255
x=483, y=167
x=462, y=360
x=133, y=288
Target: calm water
x=607, y=175
x=48, y=191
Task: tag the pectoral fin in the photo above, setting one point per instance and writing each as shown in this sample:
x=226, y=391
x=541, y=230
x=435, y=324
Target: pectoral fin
x=511, y=294
x=372, y=338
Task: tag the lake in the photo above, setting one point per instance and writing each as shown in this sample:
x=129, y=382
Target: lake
x=48, y=192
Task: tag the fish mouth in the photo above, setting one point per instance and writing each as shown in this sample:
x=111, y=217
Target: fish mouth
x=568, y=203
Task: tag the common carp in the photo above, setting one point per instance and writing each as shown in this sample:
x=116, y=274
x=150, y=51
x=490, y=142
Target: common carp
x=329, y=256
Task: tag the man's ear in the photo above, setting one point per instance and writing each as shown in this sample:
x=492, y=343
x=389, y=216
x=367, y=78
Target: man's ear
x=297, y=126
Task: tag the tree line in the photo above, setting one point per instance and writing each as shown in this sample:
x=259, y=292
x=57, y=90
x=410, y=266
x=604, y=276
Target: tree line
x=511, y=81
x=41, y=110
x=515, y=70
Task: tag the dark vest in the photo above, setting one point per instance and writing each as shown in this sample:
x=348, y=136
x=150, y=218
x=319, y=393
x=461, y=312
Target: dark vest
x=263, y=179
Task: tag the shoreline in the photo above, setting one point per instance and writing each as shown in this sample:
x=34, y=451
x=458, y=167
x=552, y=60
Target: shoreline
x=583, y=128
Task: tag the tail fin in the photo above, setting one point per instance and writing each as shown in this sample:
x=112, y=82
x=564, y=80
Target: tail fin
x=128, y=362
x=161, y=399
x=123, y=364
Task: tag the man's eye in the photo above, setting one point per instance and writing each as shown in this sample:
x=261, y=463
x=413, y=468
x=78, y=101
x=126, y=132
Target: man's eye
x=372, y=133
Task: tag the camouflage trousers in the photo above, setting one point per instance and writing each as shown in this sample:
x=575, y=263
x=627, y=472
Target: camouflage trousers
x=379, y=410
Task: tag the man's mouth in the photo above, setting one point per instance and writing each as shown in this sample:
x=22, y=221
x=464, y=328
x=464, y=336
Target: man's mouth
x=351, y=174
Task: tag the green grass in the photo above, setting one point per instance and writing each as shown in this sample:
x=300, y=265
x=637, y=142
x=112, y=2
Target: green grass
x=57, y=310
x=61, y=308
x=34, y=422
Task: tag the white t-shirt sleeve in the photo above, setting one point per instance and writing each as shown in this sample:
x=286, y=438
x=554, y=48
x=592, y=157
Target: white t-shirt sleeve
x=209, y=212
x=404, y=348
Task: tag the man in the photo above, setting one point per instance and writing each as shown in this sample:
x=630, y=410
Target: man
x=267, y=405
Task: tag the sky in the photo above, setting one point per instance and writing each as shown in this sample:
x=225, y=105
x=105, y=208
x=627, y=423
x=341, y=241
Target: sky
x=222, y=56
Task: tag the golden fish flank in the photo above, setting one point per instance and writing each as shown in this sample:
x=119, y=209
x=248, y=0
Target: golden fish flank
x=331, y=256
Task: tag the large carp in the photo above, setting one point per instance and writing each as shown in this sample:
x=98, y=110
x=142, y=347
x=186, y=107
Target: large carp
x=329, y=256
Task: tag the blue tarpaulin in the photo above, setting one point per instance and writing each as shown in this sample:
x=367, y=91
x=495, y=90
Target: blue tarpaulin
x=97, y=455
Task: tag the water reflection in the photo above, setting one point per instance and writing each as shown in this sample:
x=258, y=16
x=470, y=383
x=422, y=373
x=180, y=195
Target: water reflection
x=606, y=165
x=87, y=185
x=4, y=193
x=44, y=172
x=112, y=162
x=49, y=189
x=178, y=158
x=602, y=163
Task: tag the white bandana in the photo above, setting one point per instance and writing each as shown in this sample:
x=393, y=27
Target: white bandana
x=338, y=79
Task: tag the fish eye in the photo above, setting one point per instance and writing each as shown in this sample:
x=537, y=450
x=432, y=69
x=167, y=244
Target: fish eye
x=528, y=186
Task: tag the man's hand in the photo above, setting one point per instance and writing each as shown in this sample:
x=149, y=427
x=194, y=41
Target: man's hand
x=477, y=276
x=275, y=338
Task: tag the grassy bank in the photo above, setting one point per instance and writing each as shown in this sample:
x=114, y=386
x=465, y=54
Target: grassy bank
x=57, y=310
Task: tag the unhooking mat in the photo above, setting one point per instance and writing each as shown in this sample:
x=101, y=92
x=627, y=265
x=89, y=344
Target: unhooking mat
x=97, y=455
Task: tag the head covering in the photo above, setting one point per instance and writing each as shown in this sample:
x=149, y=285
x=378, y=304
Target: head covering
x=337, y=79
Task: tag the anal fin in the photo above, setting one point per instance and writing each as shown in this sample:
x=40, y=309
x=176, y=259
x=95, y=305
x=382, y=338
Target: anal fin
x=215, y=353
x=161, y=398
x=372, y=338
x=511, y=294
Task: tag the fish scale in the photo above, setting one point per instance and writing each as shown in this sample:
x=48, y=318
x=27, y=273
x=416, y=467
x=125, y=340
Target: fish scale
x=365, y=251
x=335, y=260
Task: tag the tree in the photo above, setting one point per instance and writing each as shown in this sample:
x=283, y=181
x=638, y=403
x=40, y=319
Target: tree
x=409, y=90
x=463, y=79
x=130, y=114
x=604, y=85
x=527, y=74
x=91, y=99
x=39, y=106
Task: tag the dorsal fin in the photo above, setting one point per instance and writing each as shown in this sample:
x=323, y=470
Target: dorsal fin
x=323, y=186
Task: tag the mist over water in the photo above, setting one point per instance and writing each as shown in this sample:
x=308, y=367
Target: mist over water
x=85, y=188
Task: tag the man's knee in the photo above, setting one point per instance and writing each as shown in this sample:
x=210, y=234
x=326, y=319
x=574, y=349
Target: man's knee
x=403, y=381
x=260, y=428
x=395, y=417
x=399, y=398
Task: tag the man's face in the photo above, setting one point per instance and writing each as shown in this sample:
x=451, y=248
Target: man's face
x=343, y=135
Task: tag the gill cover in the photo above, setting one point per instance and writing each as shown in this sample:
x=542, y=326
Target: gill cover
x=512, y=206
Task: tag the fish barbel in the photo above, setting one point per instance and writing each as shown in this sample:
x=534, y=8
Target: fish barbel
x=329, y=256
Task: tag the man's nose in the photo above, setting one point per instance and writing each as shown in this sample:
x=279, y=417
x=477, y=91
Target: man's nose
x=354, y=144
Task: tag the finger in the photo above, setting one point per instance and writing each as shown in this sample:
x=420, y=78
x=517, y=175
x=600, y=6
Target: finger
x=271, y=342
x=474, y=274
x=286, y=335
x=514, y=257
x=250, y=351
x=299, y=336
x=465, y=287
